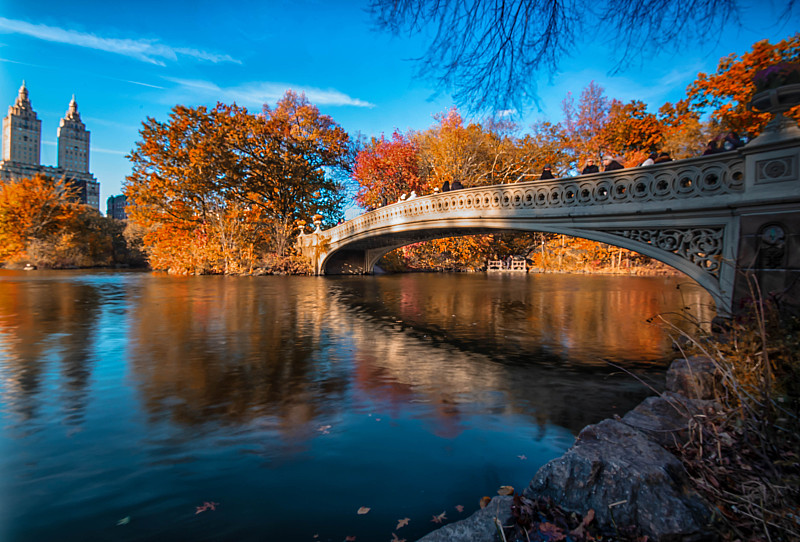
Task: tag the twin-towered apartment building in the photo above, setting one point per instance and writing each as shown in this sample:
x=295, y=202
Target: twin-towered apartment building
x=22, y=136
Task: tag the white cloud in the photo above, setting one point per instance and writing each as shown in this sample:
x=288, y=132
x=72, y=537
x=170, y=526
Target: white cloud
x=254, y=94
x=110, y=151
x=150, y=51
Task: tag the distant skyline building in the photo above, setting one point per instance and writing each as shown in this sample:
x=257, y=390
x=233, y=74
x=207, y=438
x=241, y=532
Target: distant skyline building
x=115, y=207
x=22, y=139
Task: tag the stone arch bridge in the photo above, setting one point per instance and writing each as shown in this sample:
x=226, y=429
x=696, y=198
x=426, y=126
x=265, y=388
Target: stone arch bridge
x=711, y=217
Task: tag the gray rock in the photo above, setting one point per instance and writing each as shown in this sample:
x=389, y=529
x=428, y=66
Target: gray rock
x=696, y=377
x=479, y=527
x=627, y=479
x=666, y=418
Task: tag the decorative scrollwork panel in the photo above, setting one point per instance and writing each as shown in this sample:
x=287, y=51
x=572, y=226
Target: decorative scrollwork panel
x=702, y=246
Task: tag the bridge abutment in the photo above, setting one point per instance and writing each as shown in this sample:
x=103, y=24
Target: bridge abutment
x=769, y=223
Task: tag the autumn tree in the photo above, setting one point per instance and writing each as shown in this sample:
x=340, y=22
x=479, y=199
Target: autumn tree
x=289, y=158
x=629, y=127
x=214, y=189
x=584, y=124
x=728, y=91
x=33, y=211
x=684, y=135
x=385, y=169
x=451, y=151
x=547, y=144
x=176, y=188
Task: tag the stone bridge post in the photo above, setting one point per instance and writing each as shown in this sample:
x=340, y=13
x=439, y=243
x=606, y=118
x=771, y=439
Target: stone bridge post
x=314, y=247
x=769, y=221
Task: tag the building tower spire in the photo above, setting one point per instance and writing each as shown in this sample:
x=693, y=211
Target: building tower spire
x=22, y=131
x=73, y=141
x=72, y=111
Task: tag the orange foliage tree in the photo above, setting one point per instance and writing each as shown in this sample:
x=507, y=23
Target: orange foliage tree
x=386, y=169
x=32, y=211
x=451, y=151
x=629, y=127
x=728, y=91
x=216, y=190
x=684, y=135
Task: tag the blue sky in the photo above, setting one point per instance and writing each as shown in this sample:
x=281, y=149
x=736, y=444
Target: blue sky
x=125, y=61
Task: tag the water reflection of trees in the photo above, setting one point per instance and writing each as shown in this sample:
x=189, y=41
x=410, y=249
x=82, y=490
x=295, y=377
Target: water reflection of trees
x=213, y=347
x=47, y=325
x=301, y=349
x=523, y=338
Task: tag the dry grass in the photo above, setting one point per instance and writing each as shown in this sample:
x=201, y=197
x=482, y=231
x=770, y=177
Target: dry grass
x=745, y=459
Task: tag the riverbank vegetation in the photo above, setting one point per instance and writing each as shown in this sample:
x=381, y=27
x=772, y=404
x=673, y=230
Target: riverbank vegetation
x=223, y=190
x=745, y=459
x=42, y=224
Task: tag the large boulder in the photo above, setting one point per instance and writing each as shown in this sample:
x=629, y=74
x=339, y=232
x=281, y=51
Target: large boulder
x=479, y=527
x=627, y=479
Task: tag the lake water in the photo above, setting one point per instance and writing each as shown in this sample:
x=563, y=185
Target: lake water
x=138, y=406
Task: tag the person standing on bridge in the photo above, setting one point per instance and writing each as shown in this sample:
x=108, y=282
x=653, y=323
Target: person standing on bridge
x=547, y=173
x=591, y=167
x=457, y=185
x=610, y=164
x=651, y=159
x=446, y=186
x=663, y=157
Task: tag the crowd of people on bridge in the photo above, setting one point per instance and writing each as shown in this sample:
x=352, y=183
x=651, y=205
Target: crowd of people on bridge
x=610, y=162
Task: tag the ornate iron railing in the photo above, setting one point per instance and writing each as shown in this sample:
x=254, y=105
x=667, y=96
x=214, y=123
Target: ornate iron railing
x=673, y=181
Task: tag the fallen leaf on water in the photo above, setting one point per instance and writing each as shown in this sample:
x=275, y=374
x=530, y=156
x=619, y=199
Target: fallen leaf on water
x=124, y=521
x=206, y=506
x=522, y=457
x=402, y=522
x=363, y=510
x=395, y=539
x=505, y=490
x=460, y=507
x=324, y=429
x=349, y=538
x=485, y=501
x=439, y=518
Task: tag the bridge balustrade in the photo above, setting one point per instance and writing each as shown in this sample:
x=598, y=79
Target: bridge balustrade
x=701, y=177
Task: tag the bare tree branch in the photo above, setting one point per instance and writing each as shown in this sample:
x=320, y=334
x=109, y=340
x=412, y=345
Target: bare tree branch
x=490, y=53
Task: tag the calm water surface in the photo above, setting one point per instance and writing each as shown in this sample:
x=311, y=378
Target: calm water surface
x=128, y=400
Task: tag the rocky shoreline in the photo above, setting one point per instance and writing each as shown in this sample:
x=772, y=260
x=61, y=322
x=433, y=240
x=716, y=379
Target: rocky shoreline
x=622, y=469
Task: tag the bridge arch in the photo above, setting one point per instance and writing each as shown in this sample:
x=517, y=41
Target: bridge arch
x=703, y=269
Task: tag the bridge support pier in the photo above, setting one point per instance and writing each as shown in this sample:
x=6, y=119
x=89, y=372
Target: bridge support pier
x=769, y=235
